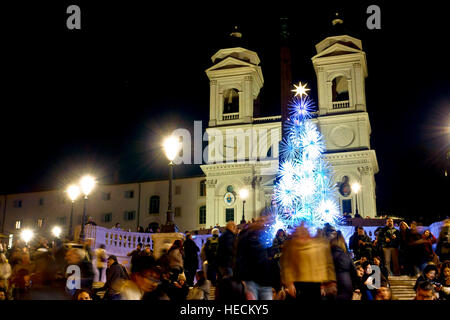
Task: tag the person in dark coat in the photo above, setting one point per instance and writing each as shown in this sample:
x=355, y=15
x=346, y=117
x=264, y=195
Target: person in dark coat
x=362, y=244
x=252, y=261
x=114, y=273
x=344, y=267
x=390, y=241
x=225, y=251
x=135, y=253
x=416, y=249
x=191, y=251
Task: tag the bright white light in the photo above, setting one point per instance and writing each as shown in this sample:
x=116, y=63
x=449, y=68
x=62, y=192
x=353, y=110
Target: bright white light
x=87, y=183
x=73, y=191
x=356, y=187
x=26, y=235
x=243, y=193
x=306, y=187
x=56, y=231
x=328, y=210
x=172, y=147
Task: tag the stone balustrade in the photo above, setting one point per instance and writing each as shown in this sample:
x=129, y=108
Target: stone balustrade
x=341, y=104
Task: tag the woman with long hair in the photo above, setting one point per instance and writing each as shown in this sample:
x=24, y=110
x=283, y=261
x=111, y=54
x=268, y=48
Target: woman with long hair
x=344, y=267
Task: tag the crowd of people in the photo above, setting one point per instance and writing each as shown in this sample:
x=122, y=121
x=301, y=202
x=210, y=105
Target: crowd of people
x=239, y=266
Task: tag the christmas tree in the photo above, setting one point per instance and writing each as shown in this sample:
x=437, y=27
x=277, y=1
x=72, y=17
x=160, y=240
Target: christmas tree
x=304, y=189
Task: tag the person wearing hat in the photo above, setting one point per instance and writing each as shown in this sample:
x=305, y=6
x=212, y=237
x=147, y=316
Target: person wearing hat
x=114, y=275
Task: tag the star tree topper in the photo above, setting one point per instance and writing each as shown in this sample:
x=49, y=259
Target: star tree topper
x=300, y=90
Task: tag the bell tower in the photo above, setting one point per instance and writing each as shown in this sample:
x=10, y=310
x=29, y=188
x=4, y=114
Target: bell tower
x=235, y=81
x=341, y=68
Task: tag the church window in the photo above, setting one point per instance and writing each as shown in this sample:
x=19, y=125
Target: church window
x=347, y=206
x=340, y=89
x=154, y=204
x=202, y=188
x=231, y=101
x=202, y=215
x=229, y=214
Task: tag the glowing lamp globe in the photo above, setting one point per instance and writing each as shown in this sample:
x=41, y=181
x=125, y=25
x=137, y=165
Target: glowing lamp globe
x=56, y=231
x=356, y=187
x=87, y=183
x=243, y=193
x=73, y=191
x=172, y=147
x=26, y=235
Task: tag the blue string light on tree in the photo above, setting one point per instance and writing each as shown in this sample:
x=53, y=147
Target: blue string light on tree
x=305, y=189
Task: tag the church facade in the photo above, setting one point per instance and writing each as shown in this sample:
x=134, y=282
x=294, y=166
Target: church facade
x=242, y=152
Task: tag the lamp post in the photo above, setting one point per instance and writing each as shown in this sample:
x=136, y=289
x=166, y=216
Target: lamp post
x=171, y=147
x=355, y=188
x=73, y=191
x=243, y=193
x=87, y=183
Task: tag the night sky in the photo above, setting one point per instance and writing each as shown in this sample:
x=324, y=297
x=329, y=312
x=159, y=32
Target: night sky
x=101, y=99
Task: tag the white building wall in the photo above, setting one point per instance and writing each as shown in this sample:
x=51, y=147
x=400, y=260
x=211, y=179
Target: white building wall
x=56, y=205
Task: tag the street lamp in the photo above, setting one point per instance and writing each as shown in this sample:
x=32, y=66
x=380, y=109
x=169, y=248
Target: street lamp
x=56, y=231
x=243, y=193
x=355, y=188
x=172, y=147
x=26, y=235
x=73, y=191
x=87, y=183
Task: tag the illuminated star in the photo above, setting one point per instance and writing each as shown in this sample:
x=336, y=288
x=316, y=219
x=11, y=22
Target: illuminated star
x=300, y=90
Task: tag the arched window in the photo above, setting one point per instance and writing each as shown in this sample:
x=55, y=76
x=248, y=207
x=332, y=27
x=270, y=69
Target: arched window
x=154, y=205
x=202, y=215
x=231, y=101
x=340, y=89
x=203, y=188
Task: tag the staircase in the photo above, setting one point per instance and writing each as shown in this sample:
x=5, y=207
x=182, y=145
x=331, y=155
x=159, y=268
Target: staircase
x=402, y=287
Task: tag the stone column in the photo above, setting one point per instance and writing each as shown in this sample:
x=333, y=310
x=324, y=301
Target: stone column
x=210, y=202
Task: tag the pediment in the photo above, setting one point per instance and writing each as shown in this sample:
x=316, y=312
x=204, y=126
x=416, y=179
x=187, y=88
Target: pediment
x=343, y=39
x=335, y=50
x=229, y=63
x=238, y=53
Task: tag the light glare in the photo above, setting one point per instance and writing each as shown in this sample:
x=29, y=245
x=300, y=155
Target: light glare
x=172, y=147
x=87, y=183
x=73, y=191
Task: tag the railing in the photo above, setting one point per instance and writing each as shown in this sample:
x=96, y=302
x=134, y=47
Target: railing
x=120, y=243
x=230, y=116
x=341, y=104
x=266, y=119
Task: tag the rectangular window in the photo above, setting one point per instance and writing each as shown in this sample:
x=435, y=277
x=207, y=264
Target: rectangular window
x=61, y=220
x=347, y=206
x=40, y=223
x=41, y=201
x=177, y=189
x=130, y=215
x=203, y=188
x=202, y=215
x=177, y=212
x=17, y=203
x=229, y=214
x=18, y=224
x=107, y=217
x=106, y=196
x=129, y=194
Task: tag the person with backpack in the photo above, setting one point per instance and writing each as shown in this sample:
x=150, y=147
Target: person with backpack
x=211, y=250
